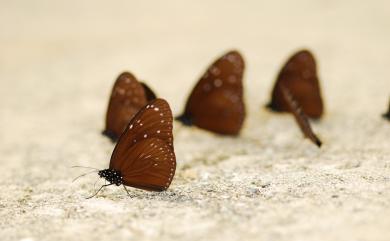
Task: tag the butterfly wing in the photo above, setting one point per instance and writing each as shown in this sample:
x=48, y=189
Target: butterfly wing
x=299, y=76
x=216, y=103
x=127, y=97
x=150, y=95
x=154, y=120
x=150, y=164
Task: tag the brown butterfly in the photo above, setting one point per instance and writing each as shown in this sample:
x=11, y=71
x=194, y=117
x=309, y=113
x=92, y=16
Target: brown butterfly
x=299, y=76
x=216, y=102
x=144, y=156
x=128, y=96
x=387, y=115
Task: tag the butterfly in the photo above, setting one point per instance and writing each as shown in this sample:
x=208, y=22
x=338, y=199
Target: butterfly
x=216, y=102
x=127, y=97
x=387, y=115
x=299, y=76
x=144, y=156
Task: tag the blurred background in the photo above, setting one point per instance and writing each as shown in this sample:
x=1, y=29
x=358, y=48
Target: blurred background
x=56, y=55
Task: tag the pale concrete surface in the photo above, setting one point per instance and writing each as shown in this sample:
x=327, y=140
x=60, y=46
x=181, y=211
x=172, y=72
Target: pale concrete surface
x=58, y=61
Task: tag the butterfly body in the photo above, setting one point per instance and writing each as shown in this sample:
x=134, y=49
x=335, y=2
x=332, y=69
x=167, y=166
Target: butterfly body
x=216, y=102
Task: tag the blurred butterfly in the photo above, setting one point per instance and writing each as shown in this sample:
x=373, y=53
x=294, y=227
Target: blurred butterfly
x=299, y=76
x=128, y=96
x=216, y=102
x=387, y=115
x=144, y=156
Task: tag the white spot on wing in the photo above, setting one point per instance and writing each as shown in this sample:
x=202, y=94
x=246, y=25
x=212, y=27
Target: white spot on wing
x=215, y=71
x=217, y=83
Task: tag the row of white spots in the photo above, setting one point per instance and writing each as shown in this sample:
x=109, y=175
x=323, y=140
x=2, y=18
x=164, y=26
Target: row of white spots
x=218, y=83
x=119, y=90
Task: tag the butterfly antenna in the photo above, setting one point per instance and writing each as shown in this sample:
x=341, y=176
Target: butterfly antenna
x=82, y=175
x=94, y=185
x=300, y=116
x=96, y=193
x=85, y=167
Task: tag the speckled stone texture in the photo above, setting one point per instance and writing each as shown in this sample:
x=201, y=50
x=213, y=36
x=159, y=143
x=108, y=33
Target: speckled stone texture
x=58, y=62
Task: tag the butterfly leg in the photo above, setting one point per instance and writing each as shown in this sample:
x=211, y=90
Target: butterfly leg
x=99, y=190
x=128, y=193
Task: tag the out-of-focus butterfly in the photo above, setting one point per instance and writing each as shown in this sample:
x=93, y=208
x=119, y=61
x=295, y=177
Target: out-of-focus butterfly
x=299, y=76
x=144, y=156
x=387, y=115
x=216, y=102
x=128, y=96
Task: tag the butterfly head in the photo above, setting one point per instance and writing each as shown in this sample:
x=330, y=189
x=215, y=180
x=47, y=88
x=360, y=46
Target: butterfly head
x=112, y=176
x=185, y=119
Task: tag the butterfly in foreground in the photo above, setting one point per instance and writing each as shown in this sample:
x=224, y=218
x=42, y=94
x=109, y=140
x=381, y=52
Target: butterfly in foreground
x=128, y=96
x=144, y=156
x=216, y=102
x=299, y=76
x=387, y=115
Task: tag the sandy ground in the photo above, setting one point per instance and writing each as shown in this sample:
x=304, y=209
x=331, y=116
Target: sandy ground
x=58, y=61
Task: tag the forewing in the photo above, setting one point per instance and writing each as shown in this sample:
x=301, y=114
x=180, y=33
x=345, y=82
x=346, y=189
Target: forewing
x=154, y=120
x=127, y=98
x=218, y=95
x=299, y=76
